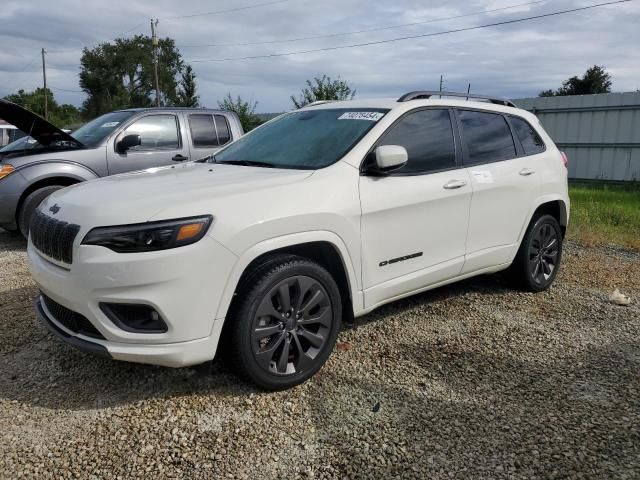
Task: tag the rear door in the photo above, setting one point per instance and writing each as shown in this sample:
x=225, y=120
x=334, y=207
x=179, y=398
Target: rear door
x=504, y=187
x=163, y=143
x=209, y=132
x=414, y=221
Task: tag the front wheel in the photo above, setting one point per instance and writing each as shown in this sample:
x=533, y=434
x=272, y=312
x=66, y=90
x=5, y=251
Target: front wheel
x=30, y=204
x=285, y=322
x=538, y=260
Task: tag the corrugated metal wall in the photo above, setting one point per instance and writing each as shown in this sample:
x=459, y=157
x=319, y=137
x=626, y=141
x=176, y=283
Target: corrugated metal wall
x=600, y=133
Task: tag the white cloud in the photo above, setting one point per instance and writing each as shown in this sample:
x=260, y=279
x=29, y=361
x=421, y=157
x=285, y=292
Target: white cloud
x=515, y=60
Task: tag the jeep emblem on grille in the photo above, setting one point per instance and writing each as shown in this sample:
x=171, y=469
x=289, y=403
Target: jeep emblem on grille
x=55, y=209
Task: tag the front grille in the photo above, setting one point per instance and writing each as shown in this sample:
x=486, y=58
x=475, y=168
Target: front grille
x=53, y=237
x=70, y=320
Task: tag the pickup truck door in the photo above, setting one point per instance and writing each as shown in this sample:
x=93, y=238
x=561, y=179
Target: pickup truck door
x=164, y=141
x=208, y=132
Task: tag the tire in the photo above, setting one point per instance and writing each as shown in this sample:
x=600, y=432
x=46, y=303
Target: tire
x=288, y=303
x=538, y=259
x=30, y=204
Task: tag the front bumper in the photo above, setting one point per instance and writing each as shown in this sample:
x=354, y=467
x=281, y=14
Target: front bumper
x=168, y=355
x=184, y=285
x=8, y=207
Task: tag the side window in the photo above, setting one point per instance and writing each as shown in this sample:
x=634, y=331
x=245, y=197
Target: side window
x=529, y=138
x=156, y=132
x=428, y=137
x=487, y=137
x=203, y=130
x=222, y=126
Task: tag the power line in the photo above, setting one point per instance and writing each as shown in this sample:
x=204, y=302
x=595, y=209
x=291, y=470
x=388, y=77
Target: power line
x=22, y=70
x=409, y=37
x=230, y=10
x=367, y=30
x=65, y=89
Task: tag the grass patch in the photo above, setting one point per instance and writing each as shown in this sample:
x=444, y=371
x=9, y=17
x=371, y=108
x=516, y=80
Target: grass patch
x=605, y=214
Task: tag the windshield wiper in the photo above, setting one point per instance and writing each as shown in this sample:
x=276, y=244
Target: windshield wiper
x=246, y=163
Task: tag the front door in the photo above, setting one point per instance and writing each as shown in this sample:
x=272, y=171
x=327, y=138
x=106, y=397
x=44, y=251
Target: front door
x=162, y=144
x=414, y=221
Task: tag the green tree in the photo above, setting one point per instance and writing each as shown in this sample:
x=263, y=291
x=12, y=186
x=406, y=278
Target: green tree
x=323, y=88
x=186, y=96
x=120, y=74
x=595, y=80
x=245, y=110
x=61, y=116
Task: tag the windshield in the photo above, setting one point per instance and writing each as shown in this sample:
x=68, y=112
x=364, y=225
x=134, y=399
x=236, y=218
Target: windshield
x=309, y=139
x=92, y=133
x=24, y=143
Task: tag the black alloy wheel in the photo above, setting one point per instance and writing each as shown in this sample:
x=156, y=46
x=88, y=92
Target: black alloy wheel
x=543, y=253
x=284, y=321
x=538, y=259
x=291, y=326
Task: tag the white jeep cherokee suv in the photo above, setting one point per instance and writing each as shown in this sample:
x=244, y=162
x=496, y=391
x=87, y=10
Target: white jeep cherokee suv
x=321, y=214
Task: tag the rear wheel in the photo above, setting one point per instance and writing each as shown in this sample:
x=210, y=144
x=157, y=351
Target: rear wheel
x=538, y=260
x=30, y=204
x=285, y=322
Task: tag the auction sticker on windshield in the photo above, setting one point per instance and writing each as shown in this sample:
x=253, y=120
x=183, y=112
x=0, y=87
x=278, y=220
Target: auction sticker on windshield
x=371, y=116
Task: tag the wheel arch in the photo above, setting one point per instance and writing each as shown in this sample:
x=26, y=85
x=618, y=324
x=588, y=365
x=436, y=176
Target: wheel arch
x=555, y=206
x=324, y=248
x=45, y=174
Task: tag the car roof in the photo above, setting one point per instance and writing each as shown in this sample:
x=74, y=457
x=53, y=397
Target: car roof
x=172, y=109
x=394, y=104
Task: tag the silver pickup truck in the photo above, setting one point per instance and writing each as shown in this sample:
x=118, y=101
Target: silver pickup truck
x=117, y=142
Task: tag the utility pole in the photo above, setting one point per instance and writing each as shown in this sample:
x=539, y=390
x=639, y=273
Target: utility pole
x=44, y=81
x=441, y=80
x=154, y=46
x=468, y=91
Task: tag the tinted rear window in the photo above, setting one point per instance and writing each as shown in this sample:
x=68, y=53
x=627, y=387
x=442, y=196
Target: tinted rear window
x=203, y=131
x=487, y=137
x=529, y=138
x=222, y=126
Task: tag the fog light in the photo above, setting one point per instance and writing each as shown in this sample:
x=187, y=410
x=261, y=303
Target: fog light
x=134, y=318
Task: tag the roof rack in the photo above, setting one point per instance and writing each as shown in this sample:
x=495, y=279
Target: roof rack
x=421, y=95
x=319, y=102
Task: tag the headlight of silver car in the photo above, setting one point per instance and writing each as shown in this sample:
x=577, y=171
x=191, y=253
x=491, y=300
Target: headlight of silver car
x=150, y=236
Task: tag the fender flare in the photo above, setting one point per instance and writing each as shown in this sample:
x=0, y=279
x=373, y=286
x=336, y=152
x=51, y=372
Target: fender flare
x=41, y=170
x=554, y=197
x=284, y=241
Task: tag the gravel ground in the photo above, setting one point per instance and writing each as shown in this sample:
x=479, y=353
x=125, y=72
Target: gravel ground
x=468, y=381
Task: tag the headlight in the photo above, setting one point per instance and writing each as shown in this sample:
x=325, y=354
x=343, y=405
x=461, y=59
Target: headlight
x=150, y=236
x=5, y=170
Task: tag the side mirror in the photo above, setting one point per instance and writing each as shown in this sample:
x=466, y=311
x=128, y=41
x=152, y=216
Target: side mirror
x=127, y=142
x=389, y=158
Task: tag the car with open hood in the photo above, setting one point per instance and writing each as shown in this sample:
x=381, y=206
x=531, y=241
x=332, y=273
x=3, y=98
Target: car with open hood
x=126, y=140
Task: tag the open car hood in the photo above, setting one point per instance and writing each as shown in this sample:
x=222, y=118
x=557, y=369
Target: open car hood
x=34, y=125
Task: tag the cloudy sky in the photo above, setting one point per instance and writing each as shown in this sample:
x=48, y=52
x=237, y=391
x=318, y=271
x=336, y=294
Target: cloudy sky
x=514, y=60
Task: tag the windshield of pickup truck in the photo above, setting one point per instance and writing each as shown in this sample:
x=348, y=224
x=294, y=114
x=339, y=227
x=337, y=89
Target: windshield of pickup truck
x=309, y=139
x=92, y=133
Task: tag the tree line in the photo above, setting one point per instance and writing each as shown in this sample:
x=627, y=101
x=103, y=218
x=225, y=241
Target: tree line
x=120, y=74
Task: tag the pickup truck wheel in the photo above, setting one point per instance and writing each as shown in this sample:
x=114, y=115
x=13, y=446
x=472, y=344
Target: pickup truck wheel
x=30, y=204
x=286, y=322
x=538, y=260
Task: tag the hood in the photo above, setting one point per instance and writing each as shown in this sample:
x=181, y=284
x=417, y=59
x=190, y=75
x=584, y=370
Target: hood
x=143, y=196
x=34, y=125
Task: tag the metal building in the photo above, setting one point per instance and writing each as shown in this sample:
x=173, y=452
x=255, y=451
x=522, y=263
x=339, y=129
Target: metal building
x=600, y=133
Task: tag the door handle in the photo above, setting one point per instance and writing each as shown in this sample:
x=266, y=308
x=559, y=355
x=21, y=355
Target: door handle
x=453, y=184
x=179, y=158
x=525, y=172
